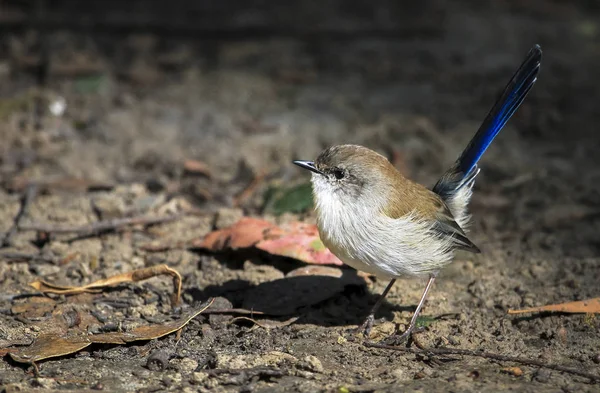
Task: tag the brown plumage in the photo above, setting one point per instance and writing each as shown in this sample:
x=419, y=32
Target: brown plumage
x=403, y=196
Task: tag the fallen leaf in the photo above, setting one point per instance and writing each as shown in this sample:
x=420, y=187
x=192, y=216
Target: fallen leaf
x=195, y=167
x=133, y=276
x=579, y=307
x=243, y=234
x=148, y=332
x=516, y=371
x=34, y=307
x=52, y=345
x=49, y=346
x=296, y=240
x=299, y=241
x=316, y=270
x=348, y=276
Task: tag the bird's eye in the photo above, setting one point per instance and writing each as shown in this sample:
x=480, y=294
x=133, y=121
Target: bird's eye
x=338, y=173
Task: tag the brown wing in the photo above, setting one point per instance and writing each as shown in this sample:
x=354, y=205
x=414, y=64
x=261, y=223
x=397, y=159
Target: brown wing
x=428, y=204
x=446, y=226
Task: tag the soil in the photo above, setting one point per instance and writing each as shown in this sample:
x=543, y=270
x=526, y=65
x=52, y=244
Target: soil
x=412, y=84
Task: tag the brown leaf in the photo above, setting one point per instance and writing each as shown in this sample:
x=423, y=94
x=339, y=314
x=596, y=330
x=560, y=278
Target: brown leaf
x=52, y=345
x=34, y=307
x=347, y=276
x=133, y=276
x=49, y=346
x=243, y=234
x=148, y=332
x=516, y=371
x=316, y=270
x=195, y=167
x=582, y=306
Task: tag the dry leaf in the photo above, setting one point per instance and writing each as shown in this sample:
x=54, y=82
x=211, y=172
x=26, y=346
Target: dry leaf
x=52, y=345
x=516, y=371
x=133, y=276
x=316, y=270
x=579, y=307
x=195, y=167
x=49, y=346
x=34, y=307
x=148, y=332
x=243, y=234
x=297, y=240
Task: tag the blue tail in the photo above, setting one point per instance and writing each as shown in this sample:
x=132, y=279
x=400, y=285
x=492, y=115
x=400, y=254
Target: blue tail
x=465, y=169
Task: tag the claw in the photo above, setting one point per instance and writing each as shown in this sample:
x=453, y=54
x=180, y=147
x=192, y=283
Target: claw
x=365, y=328
x=402, y=338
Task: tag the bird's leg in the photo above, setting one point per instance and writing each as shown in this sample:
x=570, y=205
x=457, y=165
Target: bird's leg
x=395, y=340
x=367, y=325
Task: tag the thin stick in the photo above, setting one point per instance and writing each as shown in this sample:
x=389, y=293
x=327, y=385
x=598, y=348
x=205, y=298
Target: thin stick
x=100, y=226
x=241, y=311
x=249, y=190
x=28, y=197
x=24, y=256
x=486, y=355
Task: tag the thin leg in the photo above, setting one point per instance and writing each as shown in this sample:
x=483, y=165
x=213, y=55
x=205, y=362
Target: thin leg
x=368, y=323
x=413, y=321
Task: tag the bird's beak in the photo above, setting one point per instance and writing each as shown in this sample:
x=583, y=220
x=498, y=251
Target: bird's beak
x=308, y=165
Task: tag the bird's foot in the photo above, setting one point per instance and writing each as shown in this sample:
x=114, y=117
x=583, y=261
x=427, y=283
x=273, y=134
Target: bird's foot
x=365, y=328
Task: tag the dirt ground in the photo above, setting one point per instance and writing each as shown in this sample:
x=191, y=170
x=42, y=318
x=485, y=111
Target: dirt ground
x=138, y=105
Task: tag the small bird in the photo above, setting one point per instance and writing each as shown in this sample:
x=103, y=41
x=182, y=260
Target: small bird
x=376, y=220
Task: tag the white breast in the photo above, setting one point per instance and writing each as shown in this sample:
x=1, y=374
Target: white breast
x=367, y=240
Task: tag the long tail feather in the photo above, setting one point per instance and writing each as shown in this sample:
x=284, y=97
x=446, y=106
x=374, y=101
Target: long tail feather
x=465, y=169
x=455, y=185
x=511, y=98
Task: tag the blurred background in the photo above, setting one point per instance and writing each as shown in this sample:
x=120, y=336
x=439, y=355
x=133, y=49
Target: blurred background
x=126, y=92
x=118, y=108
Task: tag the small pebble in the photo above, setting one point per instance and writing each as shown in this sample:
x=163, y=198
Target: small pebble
x=158, y=360
x=542, y=375
x=312, y=363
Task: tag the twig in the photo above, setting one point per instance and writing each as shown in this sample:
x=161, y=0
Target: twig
x=28, y=196
x=250, y=189
x=486, y=355
x=24, y=256
x=250, y=372
x=100, y=226
x=242, y=311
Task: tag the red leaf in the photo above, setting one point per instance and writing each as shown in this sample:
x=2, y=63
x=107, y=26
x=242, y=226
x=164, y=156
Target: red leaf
x=243, y=234
x=296, y=240
x=299, y=241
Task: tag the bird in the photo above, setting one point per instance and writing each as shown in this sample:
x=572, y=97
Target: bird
x=376, y=220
